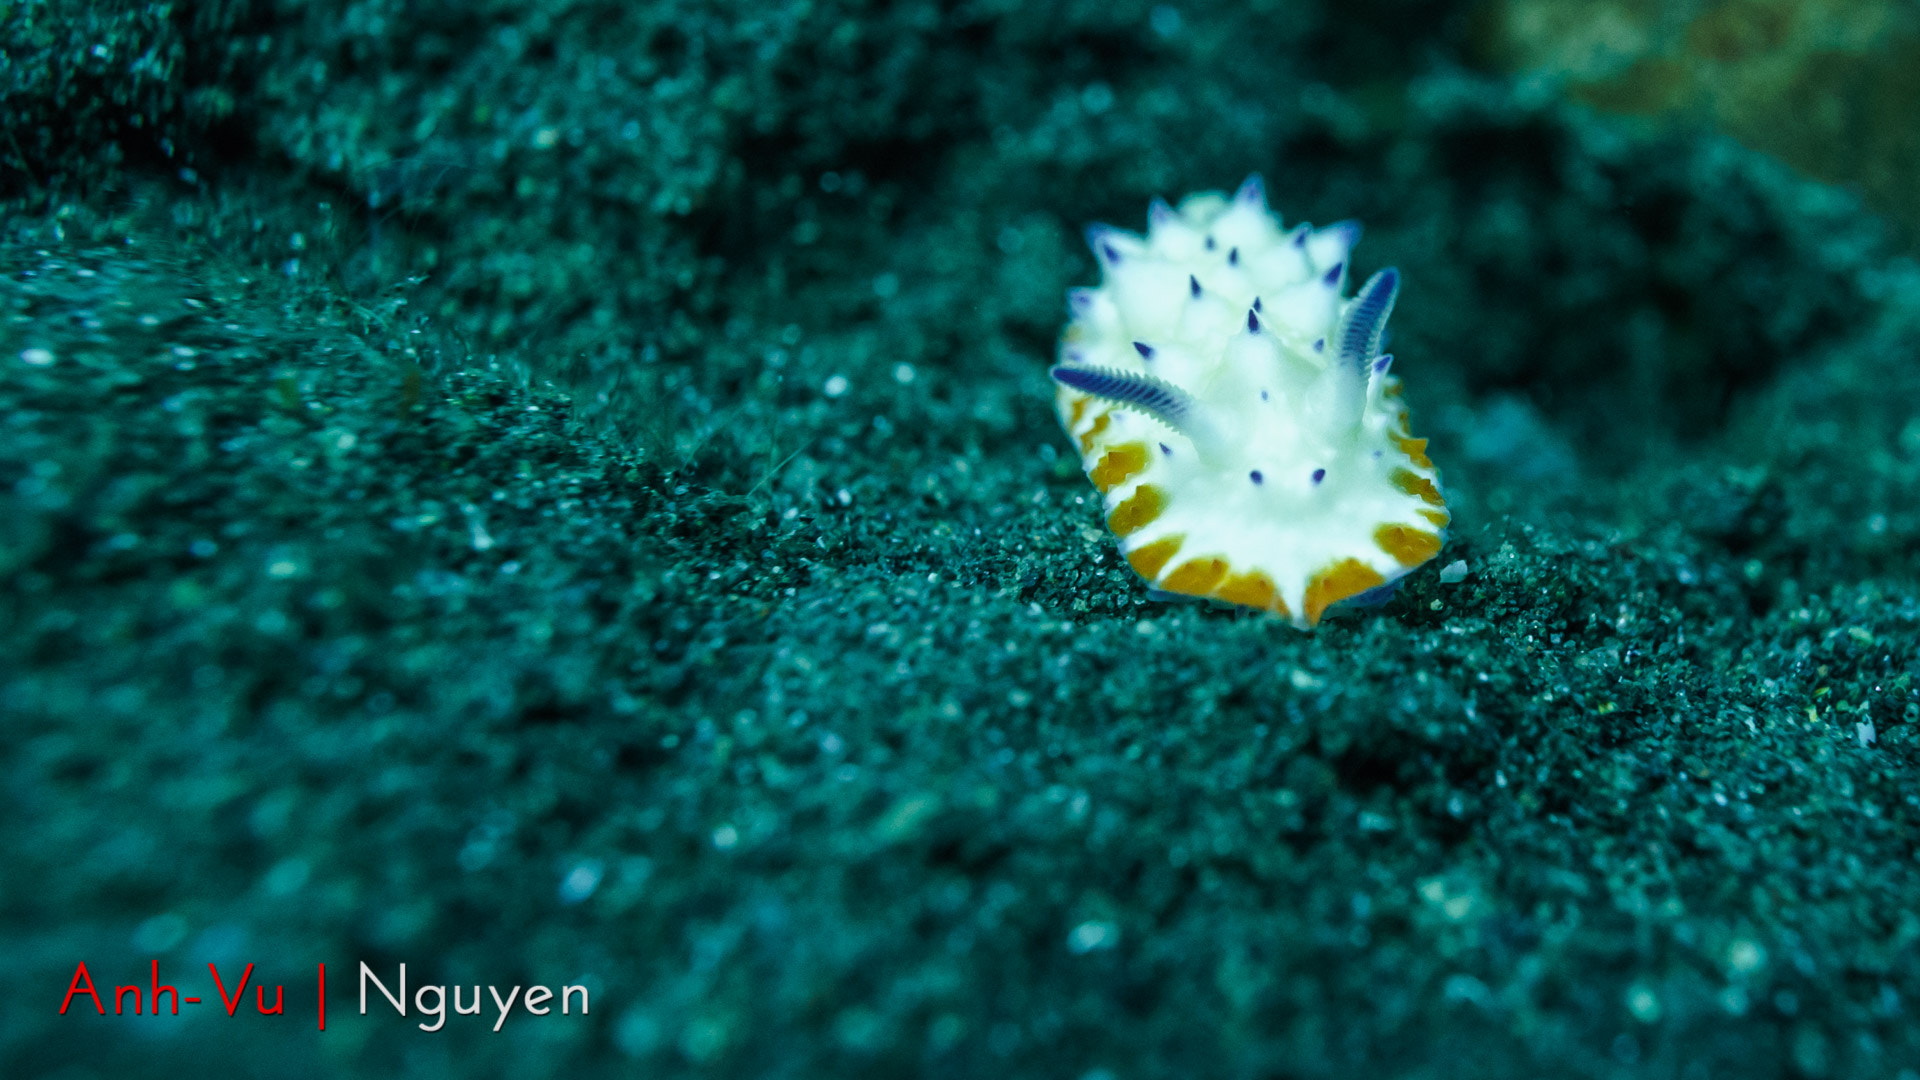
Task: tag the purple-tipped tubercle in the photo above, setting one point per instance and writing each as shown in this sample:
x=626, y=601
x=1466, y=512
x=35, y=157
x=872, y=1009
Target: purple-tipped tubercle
x=1100, y=239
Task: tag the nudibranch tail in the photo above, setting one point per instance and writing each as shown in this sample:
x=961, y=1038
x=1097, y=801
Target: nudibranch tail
x=1289, y=481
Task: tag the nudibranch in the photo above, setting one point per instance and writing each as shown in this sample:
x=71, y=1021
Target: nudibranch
x=1235, y=410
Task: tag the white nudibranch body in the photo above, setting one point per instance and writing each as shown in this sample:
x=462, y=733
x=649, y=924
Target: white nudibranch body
x=1235, y=410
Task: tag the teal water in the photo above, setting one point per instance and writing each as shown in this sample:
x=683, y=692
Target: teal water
x=567, y=494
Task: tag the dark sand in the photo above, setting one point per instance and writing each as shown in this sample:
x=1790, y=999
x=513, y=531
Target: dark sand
x=428, y=535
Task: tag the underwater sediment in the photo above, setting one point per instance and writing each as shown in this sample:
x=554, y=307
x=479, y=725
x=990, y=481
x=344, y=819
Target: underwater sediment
x=570, y=494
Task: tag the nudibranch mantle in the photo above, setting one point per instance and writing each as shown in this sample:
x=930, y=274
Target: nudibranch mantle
x=1233, y=407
